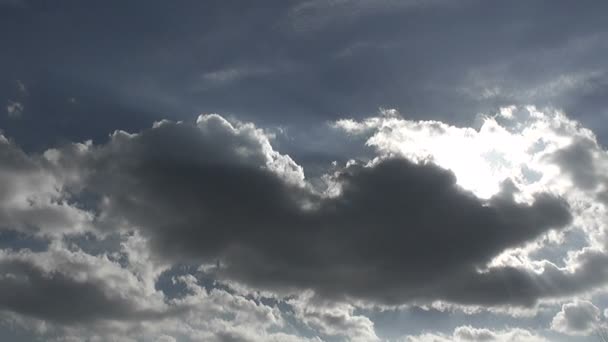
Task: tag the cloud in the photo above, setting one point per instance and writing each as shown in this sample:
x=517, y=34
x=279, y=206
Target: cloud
x=71, y=287
x=397, y=231
x=577, y=160
x=228, y=75
x=535, y=150
x=577, y=318
x=333, y=319
x=586, y=271
x=516, y=144
x=34, y=199
x=219, y=192
x=66, y=294
x=471, y=334
x=14, y=109
x=584, y=161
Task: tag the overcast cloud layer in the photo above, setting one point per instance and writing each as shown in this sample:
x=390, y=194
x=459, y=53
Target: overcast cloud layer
x=344, y=170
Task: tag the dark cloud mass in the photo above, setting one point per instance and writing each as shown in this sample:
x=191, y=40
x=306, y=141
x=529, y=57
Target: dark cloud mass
x=578, y=161
x=397, y=231
x=29, y=290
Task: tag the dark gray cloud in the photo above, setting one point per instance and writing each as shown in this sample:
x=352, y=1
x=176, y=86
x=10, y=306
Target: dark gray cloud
x=578, y=161
x=524, y=287
x=584, y=161
x=27, y=289
x=397, y=232
x=72, y=288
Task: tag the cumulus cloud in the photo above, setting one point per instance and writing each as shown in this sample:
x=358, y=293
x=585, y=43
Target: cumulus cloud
x=333, y=319
x=401, y=228
x=471, y=334
x=584, y=162
x=68, y=286
x=52, y=295
x=534, y=150
x=519, y=144
x=218, y=190
x=577, y=318
x=72, y=294
x=212, y=230
x=66, y=294
x=34, y=198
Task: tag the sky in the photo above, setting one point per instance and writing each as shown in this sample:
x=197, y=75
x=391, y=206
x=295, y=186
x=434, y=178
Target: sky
x=303, y=170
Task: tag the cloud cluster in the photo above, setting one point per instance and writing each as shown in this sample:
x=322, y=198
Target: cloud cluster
x=212, y=230
x=531, y=150
x=66, y=294
x=395, y=231
x=404, y=227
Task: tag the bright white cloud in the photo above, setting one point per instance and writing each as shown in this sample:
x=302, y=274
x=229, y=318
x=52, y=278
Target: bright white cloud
x=253, y=141
x=515, y=144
